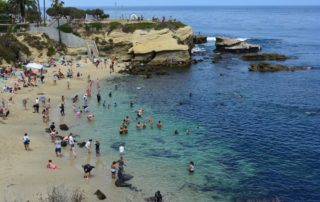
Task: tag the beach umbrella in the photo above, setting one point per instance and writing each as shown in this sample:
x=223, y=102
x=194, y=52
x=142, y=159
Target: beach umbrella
x=34, y=66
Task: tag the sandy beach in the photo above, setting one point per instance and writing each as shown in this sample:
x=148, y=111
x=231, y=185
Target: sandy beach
x=23, y=174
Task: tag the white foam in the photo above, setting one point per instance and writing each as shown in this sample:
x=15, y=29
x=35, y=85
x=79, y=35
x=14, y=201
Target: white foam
x=211, y=38
x=197, y=49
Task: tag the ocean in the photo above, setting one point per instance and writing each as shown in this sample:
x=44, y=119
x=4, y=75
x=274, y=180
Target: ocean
x=252, y=135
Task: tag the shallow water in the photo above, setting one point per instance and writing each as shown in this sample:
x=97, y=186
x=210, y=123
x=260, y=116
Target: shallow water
x=251, y=135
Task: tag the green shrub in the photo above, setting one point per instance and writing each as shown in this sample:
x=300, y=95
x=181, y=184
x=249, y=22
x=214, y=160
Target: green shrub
x=114, y=26
x=66, y=28
x=51, y=51
x=11, y=49
x=96, y=25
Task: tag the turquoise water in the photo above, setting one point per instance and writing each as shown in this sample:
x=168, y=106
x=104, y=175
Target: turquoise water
x=252, y=135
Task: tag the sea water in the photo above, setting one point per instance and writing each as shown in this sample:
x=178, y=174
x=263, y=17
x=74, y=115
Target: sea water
x=252, y=135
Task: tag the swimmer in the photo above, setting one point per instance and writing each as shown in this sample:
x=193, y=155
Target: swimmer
x=127, y=120
x=110, y=94
x=176, y=132
x=90, y=117
x=131, y=104
x=51, y=165
x=159, y=124
x=139, y=125
x=79, y=113
x=187, y=132
x=191, y=167
x=104, y=104
x=115, y=104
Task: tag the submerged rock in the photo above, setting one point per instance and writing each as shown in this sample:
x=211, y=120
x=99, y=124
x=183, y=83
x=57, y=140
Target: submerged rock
x=64, y=127
x=267, y=67
x=230, y=45
x=263, y=56
x=100, y=195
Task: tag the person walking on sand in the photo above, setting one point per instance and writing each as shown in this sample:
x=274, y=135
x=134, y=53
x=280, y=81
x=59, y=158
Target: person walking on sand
x=62, y=109
x=26, y=141
x=98, y=98
x=88, y=146
x=68, y=83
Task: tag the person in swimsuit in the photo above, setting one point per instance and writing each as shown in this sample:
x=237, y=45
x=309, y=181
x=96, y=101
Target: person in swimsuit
x=121, y=164
x=191, y=167
x=159, y=125
x=113, y=169
x=51, y=165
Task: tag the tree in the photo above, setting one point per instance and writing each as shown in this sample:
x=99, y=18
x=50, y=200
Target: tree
x=20, y=6
x=57, y=6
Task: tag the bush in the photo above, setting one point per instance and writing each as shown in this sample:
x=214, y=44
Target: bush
x=66, y=28
x=11, y=49
x=96, y=25
x=51, y=51
x=114, y=26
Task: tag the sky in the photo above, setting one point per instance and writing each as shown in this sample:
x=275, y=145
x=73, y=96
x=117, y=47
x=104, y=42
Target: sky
x=90, y=3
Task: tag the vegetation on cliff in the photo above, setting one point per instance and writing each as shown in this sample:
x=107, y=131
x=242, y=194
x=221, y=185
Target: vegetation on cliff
x=11, y=50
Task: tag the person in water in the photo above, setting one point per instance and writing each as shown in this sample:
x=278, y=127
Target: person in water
x=90, y=117
x=51, y=165
x=113, y=169
x=176, y=132
x=97, y=148
x=121, y=164
x=191, y=167
x=139, y=125
x=87, y=168
x=159, y=124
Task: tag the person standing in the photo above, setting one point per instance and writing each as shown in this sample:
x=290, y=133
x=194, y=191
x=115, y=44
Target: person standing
x=72, y=145
x=26, y=141
x=36, y=106
x=58, y=147
x=24, y=103
x=97, y=144
x=88, y=146
x=99, y=97
x=62, y=109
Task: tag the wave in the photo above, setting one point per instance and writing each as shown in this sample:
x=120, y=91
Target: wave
x=212, y=38
x=198, y=49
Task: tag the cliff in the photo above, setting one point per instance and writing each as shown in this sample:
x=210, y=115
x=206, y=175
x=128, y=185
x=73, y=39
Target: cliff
x=147, y=43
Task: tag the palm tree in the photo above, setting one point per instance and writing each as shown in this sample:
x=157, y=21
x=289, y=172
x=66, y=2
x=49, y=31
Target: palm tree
x=58, y=5
x=20, y=6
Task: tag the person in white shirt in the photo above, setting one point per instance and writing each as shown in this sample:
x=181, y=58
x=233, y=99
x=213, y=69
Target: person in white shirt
x=88, y=146
x=26, y=141
x=121, y=149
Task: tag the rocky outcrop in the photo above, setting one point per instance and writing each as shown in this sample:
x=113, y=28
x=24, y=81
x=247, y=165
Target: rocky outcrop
x=267, y=67
x=163, y=47
x=263, y=56
x=229, y=45
x=199, y=39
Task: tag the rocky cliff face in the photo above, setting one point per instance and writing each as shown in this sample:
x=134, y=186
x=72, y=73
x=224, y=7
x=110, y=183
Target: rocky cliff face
x=164, y=47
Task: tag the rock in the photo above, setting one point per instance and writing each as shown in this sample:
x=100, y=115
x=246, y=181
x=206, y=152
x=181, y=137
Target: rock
x=216, y=57
x=81, y=144
x=120, y=183
x=100, y=195
x=64, y=127
x=267, y=67
x=199, y=39
x=263, y=56
x=229, y=45
x=156, y=198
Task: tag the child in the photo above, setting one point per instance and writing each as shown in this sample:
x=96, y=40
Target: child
x=51, y=165
x=191, y=167
x=113, y=169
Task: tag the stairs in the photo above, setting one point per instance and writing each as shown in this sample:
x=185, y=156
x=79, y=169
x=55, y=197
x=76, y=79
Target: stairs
x=92, y=49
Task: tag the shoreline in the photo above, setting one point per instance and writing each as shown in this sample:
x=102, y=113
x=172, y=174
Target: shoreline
x=24, y=174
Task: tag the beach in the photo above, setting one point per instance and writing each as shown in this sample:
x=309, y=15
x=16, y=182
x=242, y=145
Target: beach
x=24, y=175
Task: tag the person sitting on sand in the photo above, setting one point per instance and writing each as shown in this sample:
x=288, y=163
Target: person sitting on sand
x=87, y=168
x=159, y=124
x=113, y=169
x=191, y=167
x=51, y=165
x=90, y=117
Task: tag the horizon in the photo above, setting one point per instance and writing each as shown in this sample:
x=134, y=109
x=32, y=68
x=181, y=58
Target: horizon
x=198, y=3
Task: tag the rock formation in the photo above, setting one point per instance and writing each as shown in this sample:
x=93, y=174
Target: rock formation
x=199, y=39
x=263, y=56
x=229, y=45
x=267, y=67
